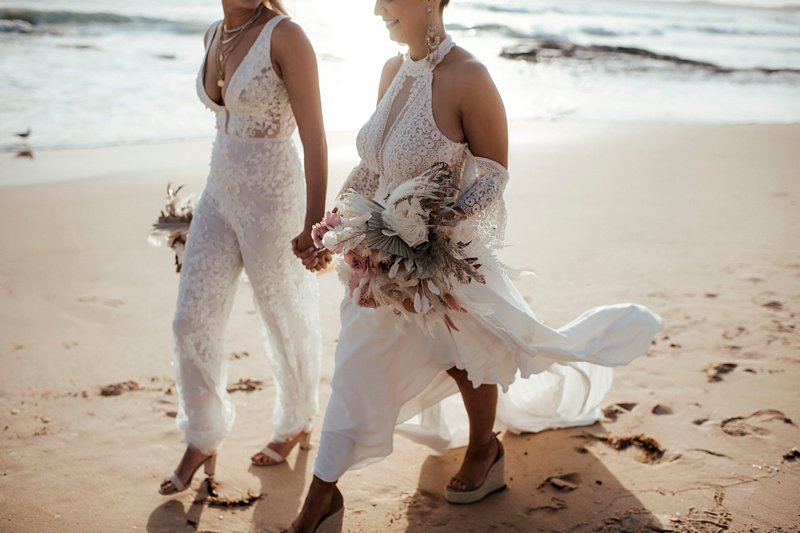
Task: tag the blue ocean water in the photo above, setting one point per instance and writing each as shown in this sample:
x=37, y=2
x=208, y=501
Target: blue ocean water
x=95, y=72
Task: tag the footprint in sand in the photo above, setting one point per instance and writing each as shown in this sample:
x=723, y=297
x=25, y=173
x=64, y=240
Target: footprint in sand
x=715, y=371
x=735, y=333
x=740, y=426
x=613, y=411
x=661, y=409
x=701, y=521
x=556, y=504
x=425, y=503
x=563, y=483
x=108, y=302
x=770, y=300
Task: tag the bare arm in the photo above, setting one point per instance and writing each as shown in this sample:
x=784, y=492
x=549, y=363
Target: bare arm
x=390, y=70
x=294, y=56
x=483, y=119
x=483, y=115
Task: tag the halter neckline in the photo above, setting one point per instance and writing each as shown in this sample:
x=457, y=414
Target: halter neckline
x=430, y=61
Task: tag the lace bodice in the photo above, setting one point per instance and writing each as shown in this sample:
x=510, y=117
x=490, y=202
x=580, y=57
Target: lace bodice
x=401, y=140
x=256, y=100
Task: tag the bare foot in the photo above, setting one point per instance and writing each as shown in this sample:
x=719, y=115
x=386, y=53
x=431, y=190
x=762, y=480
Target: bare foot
x=283, y=449
x=477, y=462
x=319, y=502
x=190, y=462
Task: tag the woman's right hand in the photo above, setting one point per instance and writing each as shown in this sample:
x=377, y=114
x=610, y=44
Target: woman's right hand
x=313, y=259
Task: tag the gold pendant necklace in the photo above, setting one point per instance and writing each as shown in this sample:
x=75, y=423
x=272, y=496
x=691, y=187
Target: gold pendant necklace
x=228, y=44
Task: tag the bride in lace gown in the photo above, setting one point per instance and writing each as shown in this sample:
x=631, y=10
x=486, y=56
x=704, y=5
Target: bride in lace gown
x=259, y=77
x=439, y=104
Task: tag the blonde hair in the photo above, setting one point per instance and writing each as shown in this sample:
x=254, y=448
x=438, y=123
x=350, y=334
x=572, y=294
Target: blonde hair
x=276, y=5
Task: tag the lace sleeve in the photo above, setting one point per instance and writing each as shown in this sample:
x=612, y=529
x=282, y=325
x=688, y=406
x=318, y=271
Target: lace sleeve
x=363, y=180
x=484, y=182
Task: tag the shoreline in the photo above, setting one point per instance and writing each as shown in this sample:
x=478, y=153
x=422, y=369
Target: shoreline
x=182, y=156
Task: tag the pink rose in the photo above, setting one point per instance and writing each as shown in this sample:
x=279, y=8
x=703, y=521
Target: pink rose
x=318, y=231
x=328, y=222
x=332, y=220
x=359, y=264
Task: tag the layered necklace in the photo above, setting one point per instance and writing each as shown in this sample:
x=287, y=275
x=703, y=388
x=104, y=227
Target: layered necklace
x=228, y=41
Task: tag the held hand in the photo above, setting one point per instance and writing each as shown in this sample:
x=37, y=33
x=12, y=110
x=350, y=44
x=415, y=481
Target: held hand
x=320, y=260
x=303, y=246
x=324, y=258
x=313, y=259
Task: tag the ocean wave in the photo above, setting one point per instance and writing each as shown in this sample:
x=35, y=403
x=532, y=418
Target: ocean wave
x=746, y=4
x=495, y=28
x=734, y=31
x=599, y=31
x=20, y=20
x=15, y=26
x=508, y=31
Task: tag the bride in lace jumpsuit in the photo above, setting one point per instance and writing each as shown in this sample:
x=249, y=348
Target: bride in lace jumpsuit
x=256, y=201
x=390, y=374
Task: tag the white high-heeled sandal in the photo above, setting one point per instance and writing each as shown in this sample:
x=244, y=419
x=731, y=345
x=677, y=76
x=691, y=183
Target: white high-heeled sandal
x=495, y=481
x=304, y=443
x=209, y=464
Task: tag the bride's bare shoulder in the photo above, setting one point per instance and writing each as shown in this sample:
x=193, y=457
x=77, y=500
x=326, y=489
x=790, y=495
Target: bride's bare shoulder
x=390, y=70
x=460, y=66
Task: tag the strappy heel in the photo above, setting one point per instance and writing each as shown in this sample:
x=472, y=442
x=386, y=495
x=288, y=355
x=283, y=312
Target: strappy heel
x=304, y=443
x=209, y=464
x=495, y=481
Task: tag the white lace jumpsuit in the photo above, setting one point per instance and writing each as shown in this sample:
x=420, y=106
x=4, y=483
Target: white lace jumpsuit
x=390, y=374
x=253, y=205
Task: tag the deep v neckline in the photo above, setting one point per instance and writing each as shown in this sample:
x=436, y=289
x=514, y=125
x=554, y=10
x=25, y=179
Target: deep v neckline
x=224, y=91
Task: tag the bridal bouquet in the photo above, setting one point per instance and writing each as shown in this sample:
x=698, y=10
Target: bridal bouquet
x=409, y=254
x=172, y=226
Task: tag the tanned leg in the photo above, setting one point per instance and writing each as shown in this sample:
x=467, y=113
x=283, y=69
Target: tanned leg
x=191, y=458
x=481, y=405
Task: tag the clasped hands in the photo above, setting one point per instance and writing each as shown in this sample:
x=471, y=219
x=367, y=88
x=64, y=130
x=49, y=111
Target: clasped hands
x=313, y=258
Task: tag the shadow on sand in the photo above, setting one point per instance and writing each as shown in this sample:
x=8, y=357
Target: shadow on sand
x=599, y=501
x=282, y=487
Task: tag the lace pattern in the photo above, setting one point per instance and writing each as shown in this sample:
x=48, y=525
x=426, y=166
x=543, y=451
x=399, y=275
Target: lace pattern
x=362, y=180
x=483, y=182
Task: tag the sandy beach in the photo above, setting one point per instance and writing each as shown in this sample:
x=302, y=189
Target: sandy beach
x=698, y=222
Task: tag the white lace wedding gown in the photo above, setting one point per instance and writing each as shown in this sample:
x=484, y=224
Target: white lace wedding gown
x=253, y=205
x=390, y=374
